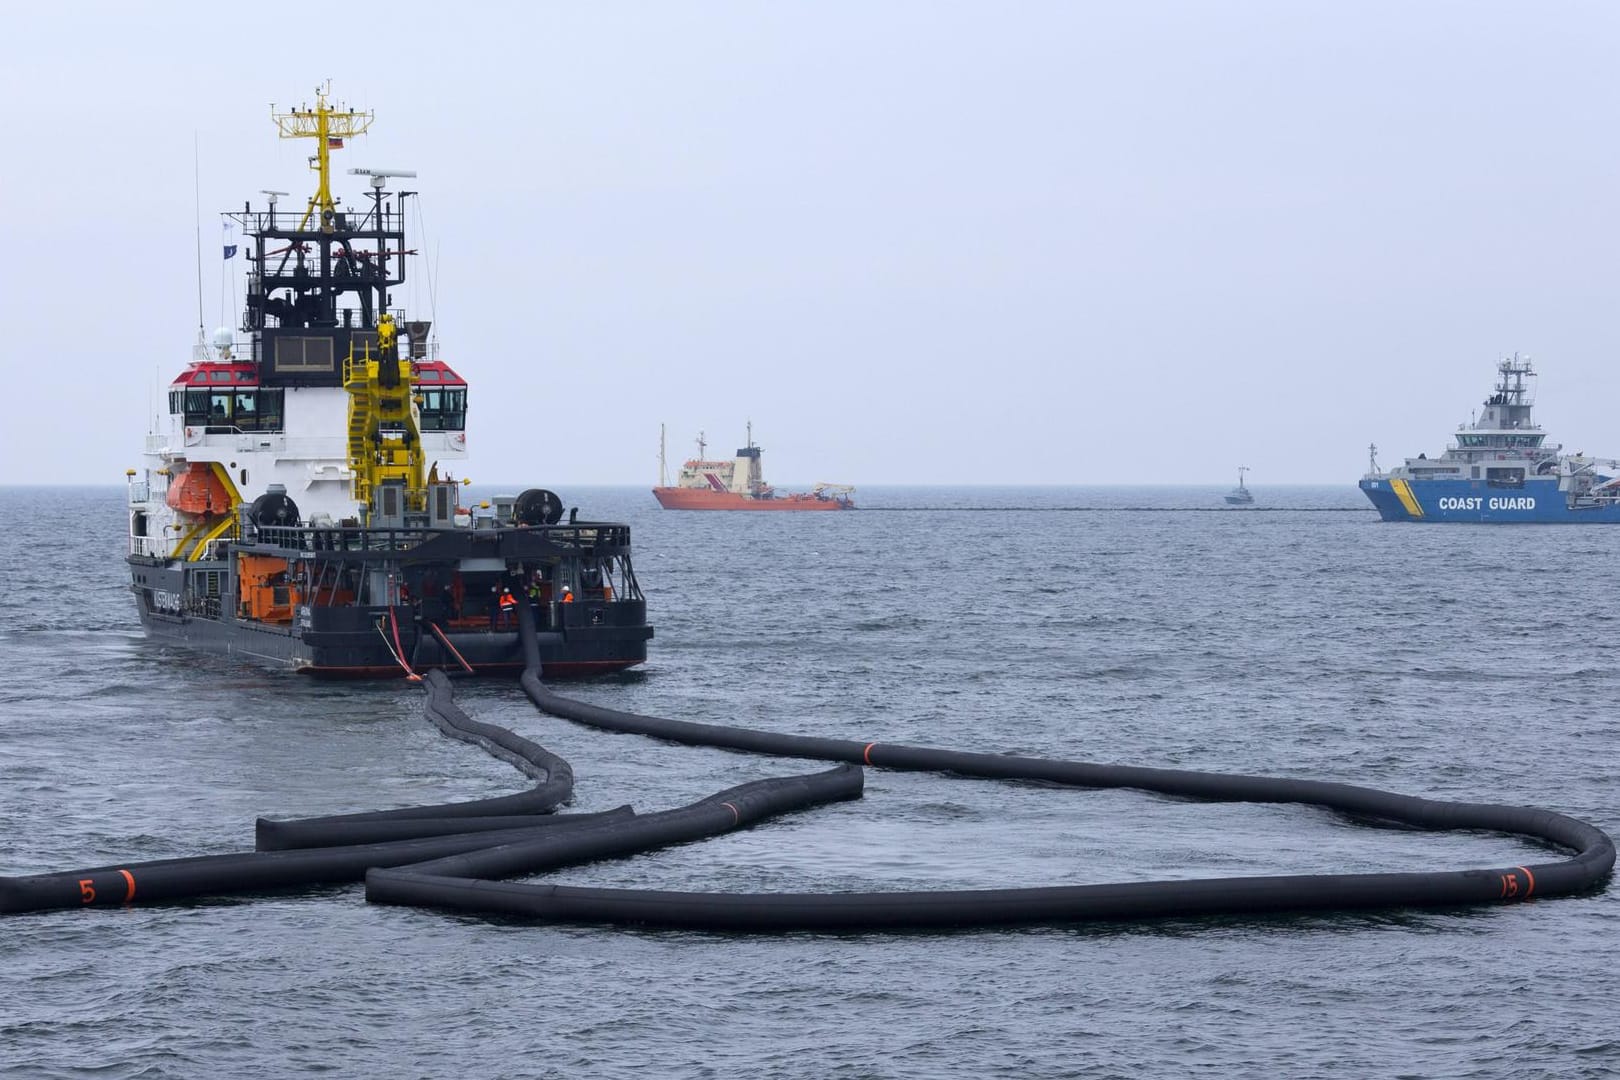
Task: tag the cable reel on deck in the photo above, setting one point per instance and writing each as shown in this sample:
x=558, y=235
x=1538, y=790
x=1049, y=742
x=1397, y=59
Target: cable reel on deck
x=274, y=508
x=537, y=506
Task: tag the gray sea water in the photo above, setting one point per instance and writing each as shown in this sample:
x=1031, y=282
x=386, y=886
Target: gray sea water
x=1141, y=626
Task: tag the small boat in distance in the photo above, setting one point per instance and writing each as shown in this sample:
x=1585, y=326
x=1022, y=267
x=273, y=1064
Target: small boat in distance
x=1240, y=495
x=738, y=485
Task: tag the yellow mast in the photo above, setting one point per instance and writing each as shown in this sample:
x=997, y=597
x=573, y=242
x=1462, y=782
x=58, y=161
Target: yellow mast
x=384, y=436
x=326, y=126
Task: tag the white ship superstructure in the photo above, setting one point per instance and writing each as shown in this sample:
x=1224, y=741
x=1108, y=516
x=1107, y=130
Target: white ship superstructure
x=296, y=503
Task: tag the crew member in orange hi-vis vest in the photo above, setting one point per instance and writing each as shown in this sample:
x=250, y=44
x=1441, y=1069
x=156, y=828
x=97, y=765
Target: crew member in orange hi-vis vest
x=568, y=595
x=508, y=604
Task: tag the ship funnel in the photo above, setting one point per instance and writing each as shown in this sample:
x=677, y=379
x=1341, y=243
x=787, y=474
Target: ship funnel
x=417, y=331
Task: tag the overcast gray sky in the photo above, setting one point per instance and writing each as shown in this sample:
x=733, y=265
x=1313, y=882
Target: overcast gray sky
x=913, y=242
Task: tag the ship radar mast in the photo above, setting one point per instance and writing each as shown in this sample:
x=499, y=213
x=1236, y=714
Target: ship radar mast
x=328, y=126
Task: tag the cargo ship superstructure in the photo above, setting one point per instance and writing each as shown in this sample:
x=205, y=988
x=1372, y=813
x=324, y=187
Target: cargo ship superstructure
x=738, y=484
x=298, y=506
x=1500, y=469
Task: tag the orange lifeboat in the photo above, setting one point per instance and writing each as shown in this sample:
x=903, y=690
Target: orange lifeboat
x=199, y=490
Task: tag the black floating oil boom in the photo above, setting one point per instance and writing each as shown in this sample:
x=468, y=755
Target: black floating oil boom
x=449, y=885
x=446, y=856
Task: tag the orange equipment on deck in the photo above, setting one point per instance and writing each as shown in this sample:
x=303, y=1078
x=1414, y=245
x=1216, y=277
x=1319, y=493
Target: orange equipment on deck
x=267, y=593
x=199, y=490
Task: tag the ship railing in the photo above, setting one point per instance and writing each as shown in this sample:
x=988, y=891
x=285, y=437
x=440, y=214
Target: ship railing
x=304, y=448
x=595, y=538
x=207, y=607
x=151, y=547
x=156, y=441
x=215, y=550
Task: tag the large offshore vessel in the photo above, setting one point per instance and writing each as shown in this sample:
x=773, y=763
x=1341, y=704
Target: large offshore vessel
x=1500, y=469
x=297, y=507
x=738, y=484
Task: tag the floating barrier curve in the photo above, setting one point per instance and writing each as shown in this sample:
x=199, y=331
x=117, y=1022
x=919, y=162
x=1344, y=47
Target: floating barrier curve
x=1588, y=869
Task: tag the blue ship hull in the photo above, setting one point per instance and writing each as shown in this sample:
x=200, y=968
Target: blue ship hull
x=1476, y=502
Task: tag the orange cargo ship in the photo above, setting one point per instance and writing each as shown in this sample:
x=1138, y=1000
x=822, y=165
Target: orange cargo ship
x=738, y=485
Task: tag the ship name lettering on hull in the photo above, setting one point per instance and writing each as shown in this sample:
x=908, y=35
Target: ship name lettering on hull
x=1518, y=502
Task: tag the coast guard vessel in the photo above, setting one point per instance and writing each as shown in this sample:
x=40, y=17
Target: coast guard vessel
x=297, y=507
x=1499, y=469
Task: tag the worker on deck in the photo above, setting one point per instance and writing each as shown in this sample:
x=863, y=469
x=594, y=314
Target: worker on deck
x=536, y=592
x=508, y=608
x=568, y=595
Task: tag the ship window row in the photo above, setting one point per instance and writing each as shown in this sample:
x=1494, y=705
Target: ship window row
x=442, y=409
x=1499, y=440
x=245, y=410
x=203, y=376
x=435, y=375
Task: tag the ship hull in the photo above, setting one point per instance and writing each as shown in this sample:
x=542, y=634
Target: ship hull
x=579, y=654
x=1537, y=501
x=678, y=498
x=591, y=637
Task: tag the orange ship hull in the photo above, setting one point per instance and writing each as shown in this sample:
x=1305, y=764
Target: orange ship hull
x=680, y=498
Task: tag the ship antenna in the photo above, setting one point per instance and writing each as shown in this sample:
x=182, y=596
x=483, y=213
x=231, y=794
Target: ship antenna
x=663, y=473
x=196, y=208
x=328, y=126
x=432, y=267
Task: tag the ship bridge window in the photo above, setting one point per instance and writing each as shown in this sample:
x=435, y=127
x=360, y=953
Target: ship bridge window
x=244, y=410
x=443, y=409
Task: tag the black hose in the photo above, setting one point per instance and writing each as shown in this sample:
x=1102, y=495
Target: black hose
x=556, y=784
x=337, y=849
x=1588, y=869
x=247, y=871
